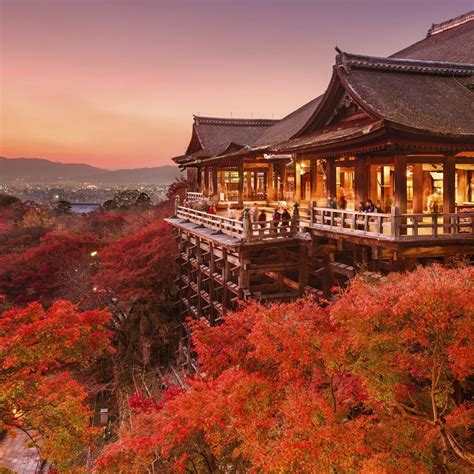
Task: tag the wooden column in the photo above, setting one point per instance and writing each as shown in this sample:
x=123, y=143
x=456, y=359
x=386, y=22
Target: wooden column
x=449, y=184
x=361, y=180
x=248, y=179
x=400, y=183
x=313, y=176
x=462, y=187
x=330, y=178
x=417, y=188
x=297, y=195
x=214, y=180
x=283, y=183
x=206, y=181
x=270, y=184
x=199, y=180
x=372, y=185
x=241, y=184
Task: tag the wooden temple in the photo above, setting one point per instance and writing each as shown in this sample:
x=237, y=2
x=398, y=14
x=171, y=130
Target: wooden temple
x=398, y=131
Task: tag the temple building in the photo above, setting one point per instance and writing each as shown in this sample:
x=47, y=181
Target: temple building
x=378, y=174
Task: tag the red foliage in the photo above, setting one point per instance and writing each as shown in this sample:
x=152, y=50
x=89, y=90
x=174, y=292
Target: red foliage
x=38, y=348
x=365, y=385
x=36, y=273
x=141, y=266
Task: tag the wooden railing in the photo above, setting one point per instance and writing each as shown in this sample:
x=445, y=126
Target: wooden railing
x=218, y=224
x=393, y=226
x=193, y=196
x=244, y=230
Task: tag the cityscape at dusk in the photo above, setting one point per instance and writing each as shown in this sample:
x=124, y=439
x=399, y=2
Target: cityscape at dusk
x=115, y=83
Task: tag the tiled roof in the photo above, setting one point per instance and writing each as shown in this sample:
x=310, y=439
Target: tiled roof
x=451, y=40
x=424, y=95
x=288, y=126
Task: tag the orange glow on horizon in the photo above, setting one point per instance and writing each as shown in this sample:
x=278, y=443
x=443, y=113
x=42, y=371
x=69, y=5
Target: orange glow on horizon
x=115, y=84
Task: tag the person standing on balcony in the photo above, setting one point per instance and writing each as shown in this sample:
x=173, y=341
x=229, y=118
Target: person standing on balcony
x=285, y=219
x=276, y=218
x=212, y=210
x=369, y=206
x=262, y=218
x=254, y=212
x=342, y=202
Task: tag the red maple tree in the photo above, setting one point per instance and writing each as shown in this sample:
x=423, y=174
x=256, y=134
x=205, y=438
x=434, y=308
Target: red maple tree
x=376, y=382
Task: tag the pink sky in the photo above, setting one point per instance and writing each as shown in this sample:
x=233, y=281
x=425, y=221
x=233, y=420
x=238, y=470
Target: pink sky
x=114, y=83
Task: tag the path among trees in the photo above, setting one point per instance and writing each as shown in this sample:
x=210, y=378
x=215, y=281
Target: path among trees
x=16, y=455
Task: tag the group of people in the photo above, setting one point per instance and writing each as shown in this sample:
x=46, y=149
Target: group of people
x=369, y=206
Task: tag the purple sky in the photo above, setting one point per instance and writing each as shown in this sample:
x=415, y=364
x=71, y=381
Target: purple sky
x=115, y=83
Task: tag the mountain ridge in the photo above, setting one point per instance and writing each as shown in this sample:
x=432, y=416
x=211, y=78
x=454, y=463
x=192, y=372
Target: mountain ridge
x=43, y=171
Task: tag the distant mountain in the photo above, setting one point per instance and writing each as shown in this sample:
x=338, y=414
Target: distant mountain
x=37, y=170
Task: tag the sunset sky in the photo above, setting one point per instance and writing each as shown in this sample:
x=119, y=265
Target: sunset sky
x=114, y=83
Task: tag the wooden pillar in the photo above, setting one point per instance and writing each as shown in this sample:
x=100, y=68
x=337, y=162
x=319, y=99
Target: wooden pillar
x=372, y=185
x=241, y=184
x=283, y=183
x=255, y=185
x=215, y=189
x=417, y=189
x=313, y=176
x=449, y=185
x=270, y=184
x=199, y=180
x=206, y=181
x=400, y=183
x=361, y=180
x=462, y=187
x=249, y=184
x=297, y=195
x=330, y=178
x=303, y=268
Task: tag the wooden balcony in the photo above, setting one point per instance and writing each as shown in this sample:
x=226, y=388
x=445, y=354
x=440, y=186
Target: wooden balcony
x=238, y=230
x=394, y=226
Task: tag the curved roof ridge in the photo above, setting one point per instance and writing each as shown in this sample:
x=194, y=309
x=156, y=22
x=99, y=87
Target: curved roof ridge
x=451, y=23
x=348, y=60
x=233, y=121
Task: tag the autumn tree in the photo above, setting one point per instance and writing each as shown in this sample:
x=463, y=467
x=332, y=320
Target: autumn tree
x=40, y=351
x=410, y=340
x=136, y=280
x=377, y=382
x=44, y=271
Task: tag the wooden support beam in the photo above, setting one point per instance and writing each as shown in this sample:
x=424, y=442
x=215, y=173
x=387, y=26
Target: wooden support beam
x=417, y=188
x=206, y=181
x=449, y=184
x=400, y=183
x=313, y=177
x=297, y=196
x=462, y=195
x=303, y=268
x=270, y=183
x=215, y=188
x=241, y=184
x=330, y=178
x=361, y=180
x=199, y=180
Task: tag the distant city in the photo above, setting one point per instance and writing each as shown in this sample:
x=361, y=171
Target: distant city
x=77, y=193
